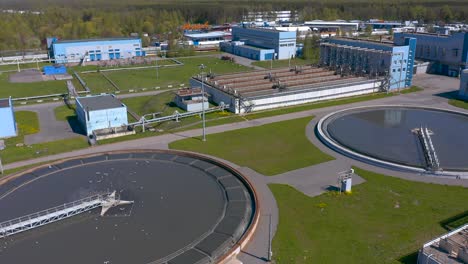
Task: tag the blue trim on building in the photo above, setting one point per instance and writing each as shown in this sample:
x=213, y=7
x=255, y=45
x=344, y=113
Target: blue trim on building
x=101, y=49
x=258, y=43
x=447, y=54
x=411, y=43
x=372, y=57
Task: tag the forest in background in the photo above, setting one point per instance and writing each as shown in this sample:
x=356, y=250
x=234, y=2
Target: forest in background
x=73, y=19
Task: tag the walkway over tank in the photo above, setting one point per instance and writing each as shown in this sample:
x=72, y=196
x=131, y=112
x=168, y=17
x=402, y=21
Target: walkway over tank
x=24, y=223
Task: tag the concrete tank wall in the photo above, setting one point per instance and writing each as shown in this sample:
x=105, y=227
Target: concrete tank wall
x=280, y=100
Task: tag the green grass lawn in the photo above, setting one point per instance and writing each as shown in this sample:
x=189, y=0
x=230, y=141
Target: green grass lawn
x=384, y=220
x=146, y=78
x=412, y=89
x=13, y=154
x=64, y=112
x=459, y=103
x=97, y=83
x=269, y=149
x=96, y=67
x=153, y=103
x=280, y=63
x=14, y=67
x=17, y=90
x=28, y=123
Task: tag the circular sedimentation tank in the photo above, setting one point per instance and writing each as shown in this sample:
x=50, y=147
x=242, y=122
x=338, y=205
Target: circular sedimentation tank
x=391, y=136
x=187, y=208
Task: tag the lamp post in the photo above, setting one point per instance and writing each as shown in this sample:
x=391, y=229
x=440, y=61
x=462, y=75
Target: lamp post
x=202, y=67
x=157, y=68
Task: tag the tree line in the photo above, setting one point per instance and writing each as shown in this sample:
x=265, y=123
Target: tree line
x=74, y=19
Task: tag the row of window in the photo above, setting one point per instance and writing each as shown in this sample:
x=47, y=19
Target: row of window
x=287, y=45
x=395, y=70
x=427, y=51
x=401, y=61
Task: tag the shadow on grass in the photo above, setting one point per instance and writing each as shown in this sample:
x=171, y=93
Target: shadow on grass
x=448, y=95
x=455, y=221
x=411, y=258
x=332, y=188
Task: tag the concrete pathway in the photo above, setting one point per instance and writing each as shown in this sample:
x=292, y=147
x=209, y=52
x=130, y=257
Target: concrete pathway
x=312, y=180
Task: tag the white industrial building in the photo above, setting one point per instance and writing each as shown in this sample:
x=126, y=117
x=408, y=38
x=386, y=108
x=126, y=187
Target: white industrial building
x=69, y=51
x=266, y=89
x=191, y=99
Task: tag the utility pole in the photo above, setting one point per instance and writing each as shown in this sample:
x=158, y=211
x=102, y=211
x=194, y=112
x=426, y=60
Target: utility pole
x=1, y=166
x=270, y=253
x=157, y=69
x=202, y=67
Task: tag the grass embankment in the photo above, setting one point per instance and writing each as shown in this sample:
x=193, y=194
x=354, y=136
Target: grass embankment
x=459, y=103
x=384, y=220
x=269, y=149
x=281, y=63
x=28, y=124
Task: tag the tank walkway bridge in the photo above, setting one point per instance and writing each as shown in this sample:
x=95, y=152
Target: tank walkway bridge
x=430, y=154
x=24, y=223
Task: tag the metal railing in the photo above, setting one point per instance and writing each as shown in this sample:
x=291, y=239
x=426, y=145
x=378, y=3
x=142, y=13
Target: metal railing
x=428, y=148
x=51, y=215
x=177, y=115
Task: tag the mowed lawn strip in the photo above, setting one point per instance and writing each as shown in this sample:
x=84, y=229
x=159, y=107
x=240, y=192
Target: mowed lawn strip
x=269, y=149
x=459, y=103
x=174, y=76
x=384, y=220
x=18, y=90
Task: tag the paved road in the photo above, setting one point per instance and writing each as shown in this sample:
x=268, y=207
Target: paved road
x=50, y=128
x=311, y=180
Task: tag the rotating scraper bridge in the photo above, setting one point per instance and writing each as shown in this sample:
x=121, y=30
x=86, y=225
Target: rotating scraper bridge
x=176, y=207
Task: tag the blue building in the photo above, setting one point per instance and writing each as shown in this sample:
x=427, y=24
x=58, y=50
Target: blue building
x=447, y=54
x=7, y=119
x=371, y=58
x=65, y=51
x=261, y=43
x=101, y=111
